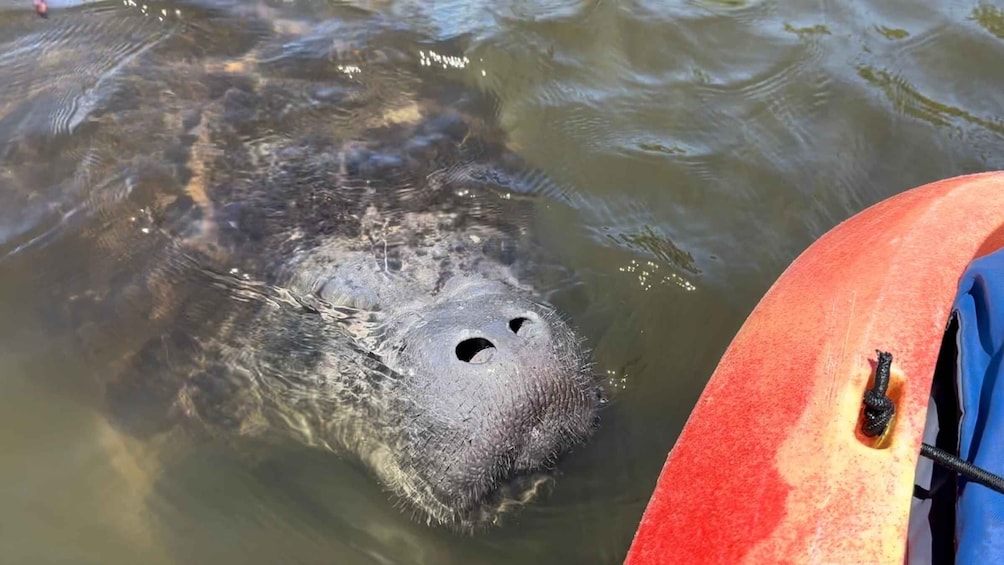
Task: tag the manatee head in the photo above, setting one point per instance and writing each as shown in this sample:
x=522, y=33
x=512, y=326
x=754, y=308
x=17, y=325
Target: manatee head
x=462, y=386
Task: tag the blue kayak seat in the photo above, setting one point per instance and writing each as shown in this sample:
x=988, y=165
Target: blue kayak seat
x=953, y=520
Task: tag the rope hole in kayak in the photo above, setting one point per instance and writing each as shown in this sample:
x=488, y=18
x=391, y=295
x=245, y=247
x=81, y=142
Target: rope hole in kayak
x=878, y=408
x=878, y=418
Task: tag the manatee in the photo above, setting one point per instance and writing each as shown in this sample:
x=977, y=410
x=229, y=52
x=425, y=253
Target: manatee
x=325, y=246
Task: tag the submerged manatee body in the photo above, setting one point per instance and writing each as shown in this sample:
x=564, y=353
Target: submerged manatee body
x=342, y=259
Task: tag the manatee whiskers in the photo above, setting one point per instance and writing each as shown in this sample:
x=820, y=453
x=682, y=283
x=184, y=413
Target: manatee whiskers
x=477, y=512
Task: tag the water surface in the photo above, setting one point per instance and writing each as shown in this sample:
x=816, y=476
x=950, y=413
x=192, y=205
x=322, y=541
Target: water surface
x=693, y=149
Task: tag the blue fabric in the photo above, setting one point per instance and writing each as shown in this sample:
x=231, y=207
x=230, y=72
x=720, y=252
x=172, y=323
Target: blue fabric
x=979, y=307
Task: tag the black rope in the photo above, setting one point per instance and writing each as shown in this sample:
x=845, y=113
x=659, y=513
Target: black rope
x=964, y=468
x=879, y=408
x=879, y=412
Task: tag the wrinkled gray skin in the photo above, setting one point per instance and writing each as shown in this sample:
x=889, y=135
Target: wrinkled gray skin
x=336, y=260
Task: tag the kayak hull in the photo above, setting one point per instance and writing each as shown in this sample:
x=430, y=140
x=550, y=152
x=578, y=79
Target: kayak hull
x=771, y=466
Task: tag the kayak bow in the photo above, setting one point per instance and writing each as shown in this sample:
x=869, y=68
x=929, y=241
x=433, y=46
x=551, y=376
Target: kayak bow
x=772, y=466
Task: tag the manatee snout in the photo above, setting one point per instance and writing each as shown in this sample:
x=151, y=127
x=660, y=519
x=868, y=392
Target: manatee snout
x=502, y=388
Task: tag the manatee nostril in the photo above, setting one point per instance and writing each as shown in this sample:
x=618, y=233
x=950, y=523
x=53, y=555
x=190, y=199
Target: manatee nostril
x=475, y=350
x=516, y=323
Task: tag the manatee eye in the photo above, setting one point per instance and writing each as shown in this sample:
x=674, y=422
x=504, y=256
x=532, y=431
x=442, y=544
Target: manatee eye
x=475, y=350
x=516, y=323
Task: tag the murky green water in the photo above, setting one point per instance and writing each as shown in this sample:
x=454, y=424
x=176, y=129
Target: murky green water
x=695, y=147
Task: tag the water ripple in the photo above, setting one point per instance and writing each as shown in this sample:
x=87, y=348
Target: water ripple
x=52, y=82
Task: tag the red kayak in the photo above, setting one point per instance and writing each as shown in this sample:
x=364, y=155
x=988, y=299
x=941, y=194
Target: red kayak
x=772, y=465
